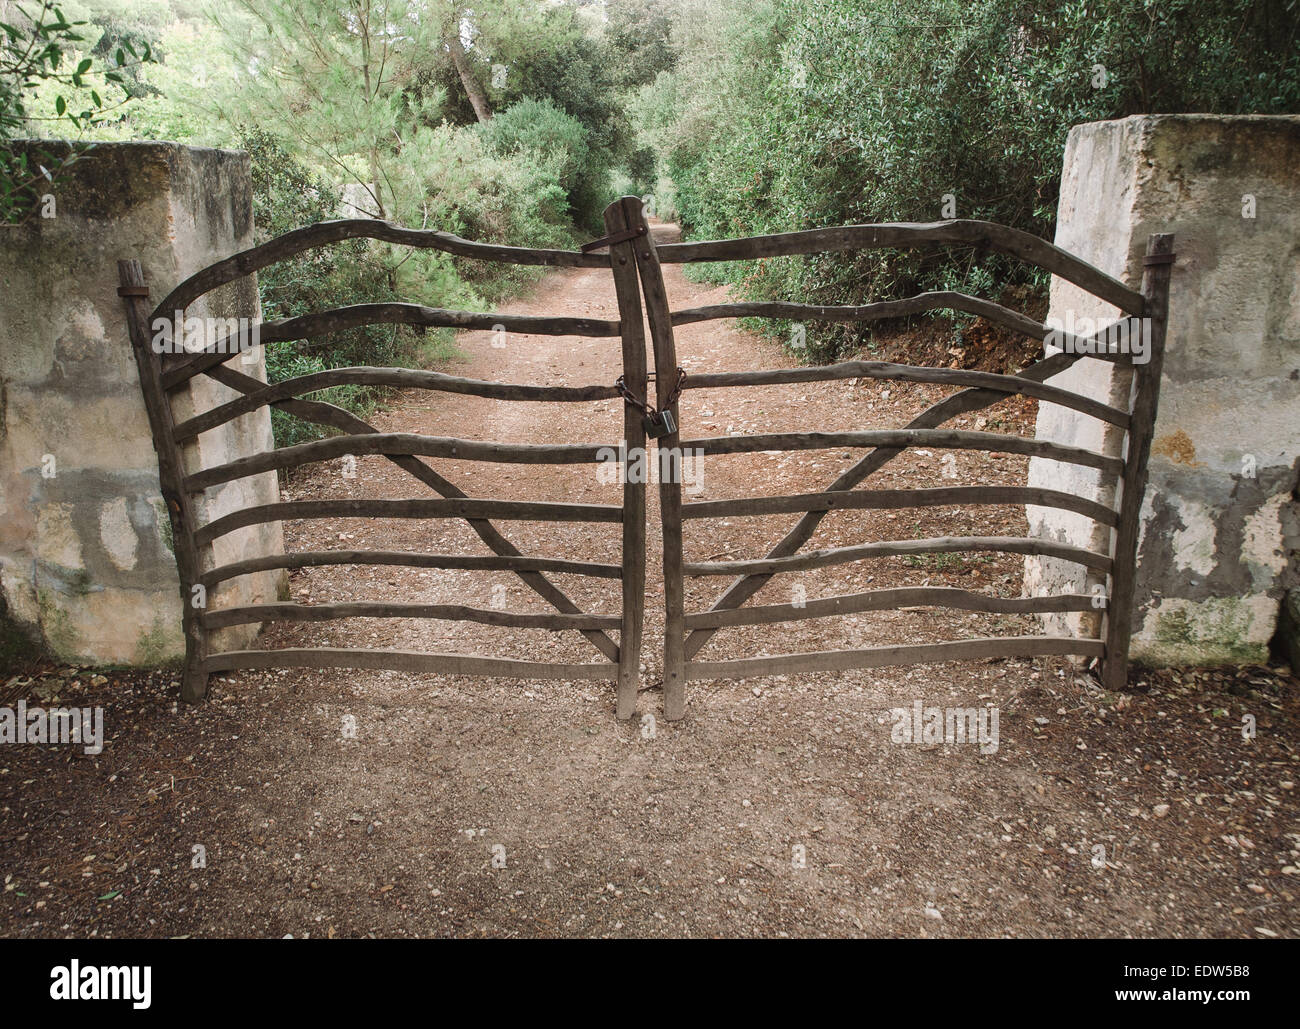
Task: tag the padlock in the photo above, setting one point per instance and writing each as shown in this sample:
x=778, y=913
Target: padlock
x=659, y=424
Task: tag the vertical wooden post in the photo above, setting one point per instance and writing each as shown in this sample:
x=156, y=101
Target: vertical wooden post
x=670, y=466
x=1118, y=624
x=623, y=262
x=180, y=507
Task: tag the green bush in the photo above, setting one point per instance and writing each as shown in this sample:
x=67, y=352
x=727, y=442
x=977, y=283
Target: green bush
x=827, y=112
x=538, y=132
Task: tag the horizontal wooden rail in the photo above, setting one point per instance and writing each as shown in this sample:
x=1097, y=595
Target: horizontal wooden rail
x=408, y=444
x=891, y=499
x=1009, y=384
x=510, y=510
x=321, y=558
x=1100, y=344
x=249, y=613
x=879, y=657
x=321, y=413
x=940, y=439
x=983, y=234
x=948, y=300
x=406, y=661
x=396, y=378
x=894, y=548
x=884, y=600
x=187, y=365
x=324, y=233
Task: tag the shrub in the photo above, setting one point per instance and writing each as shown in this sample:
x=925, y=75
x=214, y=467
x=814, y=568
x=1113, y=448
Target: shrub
x=825, y=112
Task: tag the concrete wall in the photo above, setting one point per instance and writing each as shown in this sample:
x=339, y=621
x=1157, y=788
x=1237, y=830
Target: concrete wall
x=86, y=568
x=1219, y=521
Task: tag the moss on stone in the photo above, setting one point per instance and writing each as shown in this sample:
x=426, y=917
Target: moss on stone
x=1219, y=634
x=151, y=649
x=18, y=644
x=164, y=525
x=56, y=627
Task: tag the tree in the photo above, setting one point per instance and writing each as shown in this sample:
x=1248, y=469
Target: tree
x=333, y=72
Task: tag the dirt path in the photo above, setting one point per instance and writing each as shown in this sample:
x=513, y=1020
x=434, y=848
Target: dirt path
x=778, y=806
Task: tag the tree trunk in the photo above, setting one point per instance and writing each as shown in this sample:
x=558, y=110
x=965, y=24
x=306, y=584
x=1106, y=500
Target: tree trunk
x=477, y=98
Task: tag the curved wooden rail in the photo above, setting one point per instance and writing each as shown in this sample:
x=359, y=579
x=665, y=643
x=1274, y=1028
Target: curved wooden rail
x=879, y=657
x=853, y=500
x=405, y=661
x=250, y=613
x=971, y=232
x=894, y=548
x=1009, y=384
x=940, y=439
x=397, y=378
x=324, y=233
x=883, y=600
x=921, y=303
x=510, y=510
x=405, y=443
x=408, y=559
x=340, y=318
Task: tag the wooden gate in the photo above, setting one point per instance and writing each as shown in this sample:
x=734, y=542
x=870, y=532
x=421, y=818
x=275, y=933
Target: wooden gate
x=634, y=259
x=1112, y=572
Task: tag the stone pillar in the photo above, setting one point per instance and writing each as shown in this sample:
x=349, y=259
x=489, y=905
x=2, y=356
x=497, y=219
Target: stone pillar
x=86, y=568
x=1217, y=550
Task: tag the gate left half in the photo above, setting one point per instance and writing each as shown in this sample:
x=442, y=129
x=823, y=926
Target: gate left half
x=167, y=367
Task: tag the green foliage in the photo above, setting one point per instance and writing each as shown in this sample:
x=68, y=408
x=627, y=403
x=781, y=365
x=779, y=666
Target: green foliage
x=287, y=196
x=541, y=133
x=39, y=47
x=822, y=112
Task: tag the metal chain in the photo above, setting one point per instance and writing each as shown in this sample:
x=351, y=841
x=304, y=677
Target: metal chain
x=631, y=398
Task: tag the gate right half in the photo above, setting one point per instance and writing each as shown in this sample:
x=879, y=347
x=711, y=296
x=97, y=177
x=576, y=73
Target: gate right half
x=1109, y=575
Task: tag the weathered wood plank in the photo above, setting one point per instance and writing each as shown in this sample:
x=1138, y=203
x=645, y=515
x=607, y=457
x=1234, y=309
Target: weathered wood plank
x=171, y=472
x=940, y=439
x=945, y=300
x=623, y=263
x=327, y=414
x=893, y=548
x=324, y=233
x=1118, y=628
x=395, y=378
x=321, y=558
x=850, y=500
x=889, y=599
x=1009, y=384
x=249, y=613
x=512, y=510
x=405, y=443
x=878, y=657
x=670, y=486
x=185, y=366
x=406, y=661
x=971, y=232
